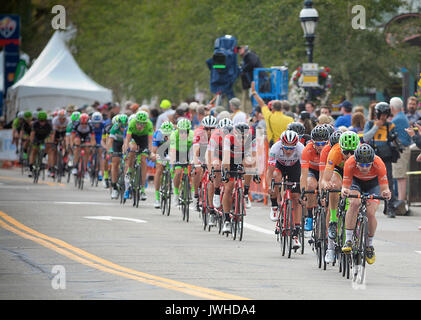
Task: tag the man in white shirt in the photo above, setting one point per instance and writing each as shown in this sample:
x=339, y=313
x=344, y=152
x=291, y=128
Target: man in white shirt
x=238, y=115
x=168, y=111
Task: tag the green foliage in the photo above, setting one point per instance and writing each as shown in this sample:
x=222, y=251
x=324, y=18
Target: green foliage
x=142, y=49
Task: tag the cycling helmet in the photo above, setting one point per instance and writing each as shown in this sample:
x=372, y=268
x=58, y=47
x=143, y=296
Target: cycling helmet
x=289, y=137
x=297, y=127
x=349, y=140
x=364, y=153
x=84, y=118
x=382, y=108
x=115, y=119
x=142, y=117
x=75, y=116
x=42, y=115
x=27, y=115
x=329, y=128
x=96, y=117
x=61, y=113
x=21, y=114
x=167, y=128
x=123, y=119
x=165, y=104
x=320, y=133
x=209, y=122
x=334, y=137
x=241, y=128
x=226, y=122
x=183, y=124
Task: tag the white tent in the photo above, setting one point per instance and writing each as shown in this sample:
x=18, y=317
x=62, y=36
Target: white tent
x=54, y=81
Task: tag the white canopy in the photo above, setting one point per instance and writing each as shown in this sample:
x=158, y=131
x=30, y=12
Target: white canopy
x=54, y=81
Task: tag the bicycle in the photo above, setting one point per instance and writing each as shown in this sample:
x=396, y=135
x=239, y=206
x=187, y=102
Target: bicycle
x=206, y=210
x=136, y=179
x=318, y=240
x=285, y=226
x=237, y=217
x=357, y=258
x=60, y=163
x=39, y=164
x=94, y=164
x=218, y=211
x=81, y=167
x=165, y=190
x=185, y=187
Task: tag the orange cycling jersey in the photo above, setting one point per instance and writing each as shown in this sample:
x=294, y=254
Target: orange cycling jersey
x=378, y=169
x=323, y=157
x=310, y=158
x=335, y=158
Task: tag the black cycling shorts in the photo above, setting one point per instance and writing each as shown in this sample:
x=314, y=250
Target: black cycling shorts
x=292, y=172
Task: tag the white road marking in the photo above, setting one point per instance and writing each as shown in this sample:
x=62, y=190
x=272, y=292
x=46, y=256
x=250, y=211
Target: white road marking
x=109, y=218
x=87, y=203
x=258, y=229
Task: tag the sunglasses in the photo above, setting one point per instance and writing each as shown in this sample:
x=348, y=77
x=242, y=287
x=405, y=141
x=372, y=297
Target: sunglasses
x=346, y=152
x=288, y=148
x=320, y=143
x=364, y=165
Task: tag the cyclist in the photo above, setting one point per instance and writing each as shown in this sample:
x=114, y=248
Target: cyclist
x=310, y=160
x=41, y=130
x=333, y=139
x=82, y=133
x=364, y=172
x=59, y=123
x=201, y=138
x=115, y=142
x=138, y=138
x=160, y=146
x=284, y=160
x=98, y=126
x=332, y=179
x=239, y=148
x=300, y=129
x=26, y=132
x=16, y=128
x=214, y=161
x=181, y=141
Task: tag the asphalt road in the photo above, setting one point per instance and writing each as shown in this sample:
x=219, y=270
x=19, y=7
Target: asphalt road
x=57, y=242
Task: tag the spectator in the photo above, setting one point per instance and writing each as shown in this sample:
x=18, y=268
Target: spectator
x=357, y=122
x=276, y=121
x=286, y=109
x=412, y=114
x=193, y=112
x=202, y=111
x=378, y=134
x=345, y=119
x=326, y=111
x=310, y=108
x=168, y=113
x=238, y=115
x=222, y=115
x=371, y=111
x=304, y=118
x=257, y=119
x=416, y=138
x=358, y=109
x=401, y=167
x=324, y=119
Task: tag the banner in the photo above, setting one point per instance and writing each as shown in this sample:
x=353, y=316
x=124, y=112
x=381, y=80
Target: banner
x=7, y=149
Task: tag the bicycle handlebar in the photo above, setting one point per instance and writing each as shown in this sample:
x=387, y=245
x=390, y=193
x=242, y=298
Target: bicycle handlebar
x=366, y=196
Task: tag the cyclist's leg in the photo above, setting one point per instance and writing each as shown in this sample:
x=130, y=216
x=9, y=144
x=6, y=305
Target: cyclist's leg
x=178, y=172
x=351, y=215
x=215, y=188
x=157, y=178
x=227, y=198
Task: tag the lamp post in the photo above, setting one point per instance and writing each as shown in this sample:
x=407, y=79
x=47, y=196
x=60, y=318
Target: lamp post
x=309, y=17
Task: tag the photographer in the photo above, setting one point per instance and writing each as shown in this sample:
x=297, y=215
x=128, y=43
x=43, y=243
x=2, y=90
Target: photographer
x=414, y=133
x=381, y=135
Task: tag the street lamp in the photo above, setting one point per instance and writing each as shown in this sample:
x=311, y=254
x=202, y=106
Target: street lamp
x=309, y=17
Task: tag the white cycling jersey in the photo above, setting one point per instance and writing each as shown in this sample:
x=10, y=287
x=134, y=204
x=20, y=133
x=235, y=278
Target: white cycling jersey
x=277, y=154
x=58, y=125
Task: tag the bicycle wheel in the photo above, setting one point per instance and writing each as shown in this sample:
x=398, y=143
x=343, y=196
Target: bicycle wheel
x=163, y=192
x=290, y=228
x=188, y=195
x=81, y=173
x=340, y=241
x=183, y=198
x=302, y=228
x=204, y=212
x=284, y=228
x=169, y=192
x=323, y=240
x=136, y=186
x=317, y=238
x=359, y=251
x=240, y=214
